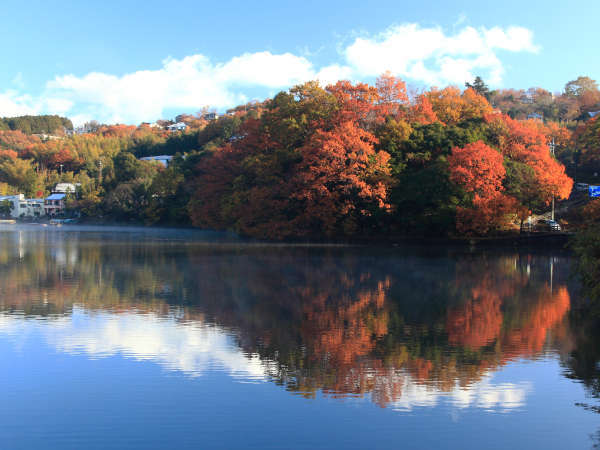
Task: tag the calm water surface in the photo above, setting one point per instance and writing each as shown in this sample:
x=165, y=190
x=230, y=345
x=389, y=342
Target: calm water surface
x=113, y=338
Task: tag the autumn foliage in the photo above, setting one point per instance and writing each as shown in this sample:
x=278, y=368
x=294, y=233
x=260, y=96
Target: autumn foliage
x=587, y=138
x=337, y=161
x=348, y=160
x=479, y=170
x=341, y=179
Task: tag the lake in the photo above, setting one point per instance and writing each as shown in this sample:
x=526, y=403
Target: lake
x=152, y=339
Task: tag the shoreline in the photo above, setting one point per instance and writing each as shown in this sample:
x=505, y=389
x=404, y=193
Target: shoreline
x=554, y=239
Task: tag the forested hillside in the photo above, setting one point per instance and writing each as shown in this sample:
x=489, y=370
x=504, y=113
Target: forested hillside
x=36, y=124
x=341, y=161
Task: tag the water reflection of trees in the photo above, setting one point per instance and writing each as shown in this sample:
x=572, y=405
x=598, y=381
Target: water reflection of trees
x=582, y=360
x=339, y=321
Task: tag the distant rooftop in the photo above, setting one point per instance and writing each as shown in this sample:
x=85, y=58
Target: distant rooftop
x=56, y=197
x=65, y=187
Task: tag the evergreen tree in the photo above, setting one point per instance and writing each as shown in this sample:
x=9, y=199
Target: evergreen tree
x=480, y=87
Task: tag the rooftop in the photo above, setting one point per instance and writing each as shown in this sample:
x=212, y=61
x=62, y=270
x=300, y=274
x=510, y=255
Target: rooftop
x=56, y=197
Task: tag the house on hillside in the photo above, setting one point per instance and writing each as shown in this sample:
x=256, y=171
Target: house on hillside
x=15, y=202
x=65, y=188
x=210, y=116
x=34, y=207
x=47, y=137
x=179, y=126
x=24, y=208
x=54, y=205
x=163, y=159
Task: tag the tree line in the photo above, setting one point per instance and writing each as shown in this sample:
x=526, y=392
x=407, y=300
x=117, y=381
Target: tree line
x=46, y=124
x=341, y=161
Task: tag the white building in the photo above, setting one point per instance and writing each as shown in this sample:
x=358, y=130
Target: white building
x=34, y=207
x=64, y=188
x=179, y=126
x=15, y=201
x=22, y=207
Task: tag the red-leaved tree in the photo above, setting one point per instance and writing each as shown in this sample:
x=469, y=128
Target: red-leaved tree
x=478, y=169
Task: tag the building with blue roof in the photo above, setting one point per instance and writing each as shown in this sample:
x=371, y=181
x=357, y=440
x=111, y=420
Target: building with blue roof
x=55, y=204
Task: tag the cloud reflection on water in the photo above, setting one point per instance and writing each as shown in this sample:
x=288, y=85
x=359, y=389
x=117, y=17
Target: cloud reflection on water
x=196, y=348
x=190, y=347
x=402, y=328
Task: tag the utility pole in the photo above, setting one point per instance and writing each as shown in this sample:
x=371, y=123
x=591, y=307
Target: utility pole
x=551, y=274
x=552, y=146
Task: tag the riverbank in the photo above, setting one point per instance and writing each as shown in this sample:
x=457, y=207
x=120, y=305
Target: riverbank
x=558, y=239
x=552, y=239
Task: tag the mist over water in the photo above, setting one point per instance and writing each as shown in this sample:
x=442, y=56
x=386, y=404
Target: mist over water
x=128, y=338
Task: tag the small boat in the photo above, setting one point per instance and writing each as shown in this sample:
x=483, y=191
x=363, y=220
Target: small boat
x=7, y=222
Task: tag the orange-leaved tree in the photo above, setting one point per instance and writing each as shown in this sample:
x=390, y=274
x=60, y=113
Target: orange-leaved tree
x=422, y=111
x=357, y=102
x=340, y=181
x=527, y=142
x=453, y=106
x=479, y=170
x=393, y=99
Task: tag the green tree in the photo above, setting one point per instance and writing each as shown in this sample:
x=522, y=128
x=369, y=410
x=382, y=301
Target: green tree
x=480, y=87
x=424, y=200
x=127, y=201
x=576, y=88
x=5, y=208
x=167, y=200
x=21, y=174
x=521, y=183
x=128, y=168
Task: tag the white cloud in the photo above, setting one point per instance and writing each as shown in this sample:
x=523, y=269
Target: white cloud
x=333, y=73
x=185, y=84
x=514, y=39
x=423, y=54
x=431, y=56
x=265, y=69
x=13, y=104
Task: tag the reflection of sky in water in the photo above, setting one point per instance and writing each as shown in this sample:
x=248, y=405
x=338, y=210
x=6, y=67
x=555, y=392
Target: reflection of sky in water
x=190, y=347
x=196, y=348
x=484, y=394
x=120, y=339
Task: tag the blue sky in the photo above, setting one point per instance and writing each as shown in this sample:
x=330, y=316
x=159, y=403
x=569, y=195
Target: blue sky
x=130, y=61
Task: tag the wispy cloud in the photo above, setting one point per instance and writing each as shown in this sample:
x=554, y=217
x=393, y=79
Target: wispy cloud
x=431, y=56
x=18, y=82
x=428, y=55
x=14, y=104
